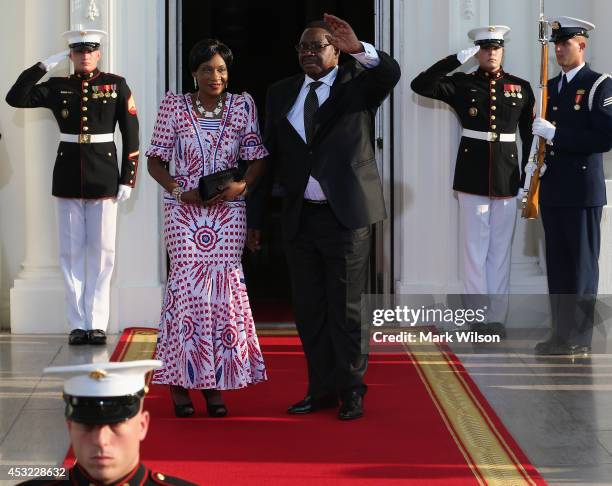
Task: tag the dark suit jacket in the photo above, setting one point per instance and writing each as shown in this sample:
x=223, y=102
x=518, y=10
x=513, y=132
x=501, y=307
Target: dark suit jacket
x=341, y=153
x=574, y=175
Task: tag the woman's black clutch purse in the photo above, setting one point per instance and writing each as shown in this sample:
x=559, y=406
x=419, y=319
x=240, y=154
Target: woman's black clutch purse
x=212, y=184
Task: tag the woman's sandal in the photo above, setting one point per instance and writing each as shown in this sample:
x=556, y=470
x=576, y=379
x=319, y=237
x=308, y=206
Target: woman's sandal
x=181, y=410
x=216, y=410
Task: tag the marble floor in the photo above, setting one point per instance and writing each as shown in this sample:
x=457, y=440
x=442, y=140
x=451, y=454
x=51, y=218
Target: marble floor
x=559, y=410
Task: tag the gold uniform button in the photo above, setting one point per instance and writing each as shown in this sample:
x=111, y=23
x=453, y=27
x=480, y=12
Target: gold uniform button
x=465, y=150
x=133, y=162
x=84, y=108
x=131, y=181
x=552, y=152
x=85, y=98
x=494, y=107
x=132, y=172
x=160, y=476
x=555, y=108
x=554, y=123
x=512, y=155
x=65, y=102
x=84, y=118
x=85, y=129
x=85, y=91
x=104, y=101
x=492, y=117
x=61, y=153
x=110, y=155
x=86, y=84
x=584, y=167
x=494, y=98
x=492, y=90
x=493, y=127
x=493, y=83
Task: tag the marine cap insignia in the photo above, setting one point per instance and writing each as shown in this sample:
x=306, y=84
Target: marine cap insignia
x=491, y=29
x=98, y=374
x=555, y=25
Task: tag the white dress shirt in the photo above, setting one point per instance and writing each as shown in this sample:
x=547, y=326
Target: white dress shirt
x=368, y=59
x=569, y=75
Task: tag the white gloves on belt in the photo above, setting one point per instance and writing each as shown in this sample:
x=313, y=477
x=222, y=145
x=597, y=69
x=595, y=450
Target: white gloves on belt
x=123, y=193
x=55, y=59
x=465, y=54
x=543, y=128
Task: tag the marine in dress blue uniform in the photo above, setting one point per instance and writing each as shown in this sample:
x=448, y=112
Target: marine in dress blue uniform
x=578, y=128
x=105, y=416
x=491, y=104
x=86, y=179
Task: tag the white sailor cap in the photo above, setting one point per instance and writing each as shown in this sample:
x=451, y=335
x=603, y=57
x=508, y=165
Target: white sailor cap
x=104, y=393
x=566, y=27
x=84, y=39
x=491, y=34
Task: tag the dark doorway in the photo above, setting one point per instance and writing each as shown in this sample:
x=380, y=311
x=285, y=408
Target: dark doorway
x=262, y=35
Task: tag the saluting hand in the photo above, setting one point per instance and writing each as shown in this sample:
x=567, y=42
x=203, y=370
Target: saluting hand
x=342, y=35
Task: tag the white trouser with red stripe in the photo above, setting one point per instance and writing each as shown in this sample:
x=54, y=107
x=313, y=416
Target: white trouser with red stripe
x=86, y=230
x=486, y=228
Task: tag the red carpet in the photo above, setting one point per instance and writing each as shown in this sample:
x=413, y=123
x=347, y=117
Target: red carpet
x=407, y=437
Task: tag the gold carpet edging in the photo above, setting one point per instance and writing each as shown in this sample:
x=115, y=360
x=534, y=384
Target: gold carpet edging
x=488, y=455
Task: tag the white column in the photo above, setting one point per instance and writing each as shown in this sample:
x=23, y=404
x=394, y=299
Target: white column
x=601, y=58
x=37, y=296
x=426, y=140
x=137, y=53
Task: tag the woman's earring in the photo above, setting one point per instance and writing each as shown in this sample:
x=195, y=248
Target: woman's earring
x=195, y=83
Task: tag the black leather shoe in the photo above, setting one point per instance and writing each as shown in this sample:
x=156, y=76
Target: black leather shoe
x=552, y=348
x=310, y=404
x=352, y=407
x=77, y=337
x=489, y=329
x=96, y=336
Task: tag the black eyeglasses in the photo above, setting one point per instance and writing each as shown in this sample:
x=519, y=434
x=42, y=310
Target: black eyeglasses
x=314, y=47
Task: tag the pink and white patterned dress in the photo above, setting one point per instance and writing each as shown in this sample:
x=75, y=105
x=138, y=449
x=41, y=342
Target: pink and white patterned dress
x=206, y=335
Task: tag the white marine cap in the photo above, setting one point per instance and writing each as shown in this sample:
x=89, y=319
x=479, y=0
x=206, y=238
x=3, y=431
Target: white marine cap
x=567, y=27
x=491, y=34
x=90, y=38
x=100, y=393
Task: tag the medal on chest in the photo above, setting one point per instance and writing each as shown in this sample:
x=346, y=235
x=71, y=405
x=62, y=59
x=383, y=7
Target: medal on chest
x=578, y=99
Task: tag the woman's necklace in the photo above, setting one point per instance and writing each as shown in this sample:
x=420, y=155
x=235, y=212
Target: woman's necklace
x=209, y=114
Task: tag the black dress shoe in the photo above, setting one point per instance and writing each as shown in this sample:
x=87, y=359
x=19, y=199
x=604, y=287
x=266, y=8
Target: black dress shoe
x=77, y=337
x=551, y=348
x=489, y=329
x=352, y=407
x=310, y=404
x=96, y=336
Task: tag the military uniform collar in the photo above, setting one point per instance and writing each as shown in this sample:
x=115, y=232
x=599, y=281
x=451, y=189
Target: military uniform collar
x=500, y=73
x=135, y=477
x=87, y=76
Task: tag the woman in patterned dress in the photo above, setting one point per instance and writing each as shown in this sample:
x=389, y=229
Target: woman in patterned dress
x=207, y=337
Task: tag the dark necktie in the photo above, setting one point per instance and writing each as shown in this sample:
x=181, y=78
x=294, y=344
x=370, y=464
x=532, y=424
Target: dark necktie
x=563, y=83
x=311, y=105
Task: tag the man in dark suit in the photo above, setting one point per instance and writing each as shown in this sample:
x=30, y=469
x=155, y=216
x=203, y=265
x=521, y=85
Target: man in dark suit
x=319, y=130
x=578, y=128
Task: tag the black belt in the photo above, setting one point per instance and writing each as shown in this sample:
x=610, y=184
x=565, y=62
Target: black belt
x=316, y=202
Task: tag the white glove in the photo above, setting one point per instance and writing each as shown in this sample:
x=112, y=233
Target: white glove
x=543, y=128
x=123, y=193
x=55, y=59
x=465, y=54
x=530, y=168
x=521, y=192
